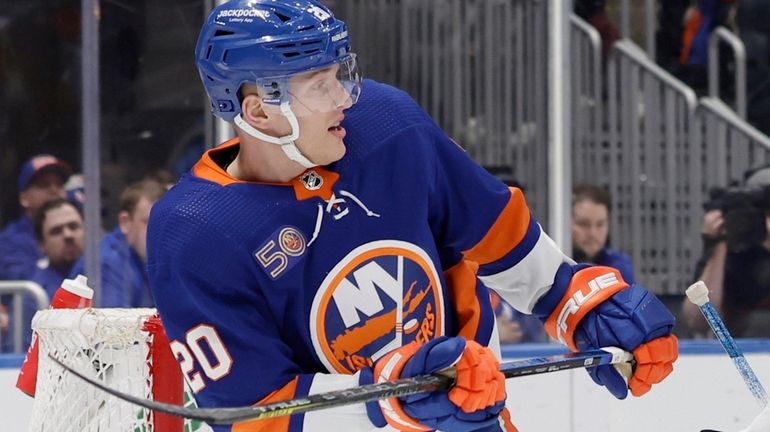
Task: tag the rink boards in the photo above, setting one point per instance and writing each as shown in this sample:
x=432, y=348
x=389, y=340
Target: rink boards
x=704, y=392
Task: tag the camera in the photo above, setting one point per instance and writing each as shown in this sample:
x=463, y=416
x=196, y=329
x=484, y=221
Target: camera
x=744, y=209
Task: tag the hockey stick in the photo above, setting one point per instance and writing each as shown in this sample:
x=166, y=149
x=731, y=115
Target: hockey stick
x=698, y=294
x=365, y=393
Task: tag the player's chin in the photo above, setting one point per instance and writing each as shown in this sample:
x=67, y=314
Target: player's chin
x=334, y=152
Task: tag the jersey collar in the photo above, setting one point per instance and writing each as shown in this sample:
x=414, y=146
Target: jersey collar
x=313, y=182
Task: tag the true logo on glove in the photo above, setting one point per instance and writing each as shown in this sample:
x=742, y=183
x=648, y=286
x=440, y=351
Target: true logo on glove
x=580, y=298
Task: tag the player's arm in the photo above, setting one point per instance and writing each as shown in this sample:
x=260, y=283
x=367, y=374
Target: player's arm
x=488, y=230
x=517, y=259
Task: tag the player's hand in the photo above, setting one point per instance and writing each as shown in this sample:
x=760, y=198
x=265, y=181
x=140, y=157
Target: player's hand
x=608, y=312
x=654, y=362
x=635, y=320
x=473, y=403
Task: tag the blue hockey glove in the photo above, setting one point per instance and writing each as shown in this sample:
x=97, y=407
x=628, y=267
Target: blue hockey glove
x=473, y=404
x=591, y=307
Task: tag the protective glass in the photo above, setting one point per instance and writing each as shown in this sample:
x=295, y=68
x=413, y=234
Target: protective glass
x=316, y=91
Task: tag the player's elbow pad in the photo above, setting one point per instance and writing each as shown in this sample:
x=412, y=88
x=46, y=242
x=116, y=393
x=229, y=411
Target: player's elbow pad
x=592, y=307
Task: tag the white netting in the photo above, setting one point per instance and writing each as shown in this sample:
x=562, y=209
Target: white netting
x=109, y=345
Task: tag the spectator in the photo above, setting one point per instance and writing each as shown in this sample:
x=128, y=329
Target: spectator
x=593, y=12
x=124, y=249
x=514, y=326
x=58, y=227
x=41, y=179
x=736, y=255
x=590, y=230
x=700, y=20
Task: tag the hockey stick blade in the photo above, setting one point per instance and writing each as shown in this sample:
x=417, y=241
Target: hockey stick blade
x=365, y=393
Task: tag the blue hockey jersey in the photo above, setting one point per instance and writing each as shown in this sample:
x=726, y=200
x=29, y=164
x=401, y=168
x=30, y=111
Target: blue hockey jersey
x=274, y=291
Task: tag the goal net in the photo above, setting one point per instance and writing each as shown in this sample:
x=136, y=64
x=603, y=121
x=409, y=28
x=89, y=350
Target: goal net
x=125, y=349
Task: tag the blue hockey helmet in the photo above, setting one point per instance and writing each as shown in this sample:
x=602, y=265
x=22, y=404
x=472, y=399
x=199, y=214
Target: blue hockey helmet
x=250, y=41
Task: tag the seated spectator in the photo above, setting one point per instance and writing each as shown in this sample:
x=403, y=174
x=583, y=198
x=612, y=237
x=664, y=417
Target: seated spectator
x=736, y=255
x=591, y=227
x=124, y=249
x=514, y=326
x=58, y=226
x=41, y=179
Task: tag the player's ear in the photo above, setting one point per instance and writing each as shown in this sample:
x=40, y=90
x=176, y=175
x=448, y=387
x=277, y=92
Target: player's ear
x=253, y=109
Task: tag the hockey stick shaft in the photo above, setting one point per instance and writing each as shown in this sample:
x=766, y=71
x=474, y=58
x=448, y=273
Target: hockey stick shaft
x=697, y=293
x=365, y=393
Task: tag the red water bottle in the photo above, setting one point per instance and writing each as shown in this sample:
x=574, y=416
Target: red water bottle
x=72, y=294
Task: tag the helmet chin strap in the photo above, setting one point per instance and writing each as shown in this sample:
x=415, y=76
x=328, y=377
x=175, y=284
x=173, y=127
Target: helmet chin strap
x=287, y=144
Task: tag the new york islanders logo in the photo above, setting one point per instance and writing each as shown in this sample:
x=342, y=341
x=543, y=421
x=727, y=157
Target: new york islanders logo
x=382, y=295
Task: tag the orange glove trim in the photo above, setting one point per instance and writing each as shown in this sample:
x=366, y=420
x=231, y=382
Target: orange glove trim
x=654, y=362
x=588, y=288
x=508, y=425
x=479, y=383
x=389, y=368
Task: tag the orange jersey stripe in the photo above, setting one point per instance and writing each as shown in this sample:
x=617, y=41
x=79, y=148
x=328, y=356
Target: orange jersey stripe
x=276, y=424
x=461, y=284
x=509, y=229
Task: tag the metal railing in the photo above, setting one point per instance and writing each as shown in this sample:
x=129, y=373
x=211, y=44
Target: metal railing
x=723, y=147
x=649, y=118
x=479, y=67
x=665, y=151
x=721, y=34
x=587, y=99
x=18, y=289
x=650, y=24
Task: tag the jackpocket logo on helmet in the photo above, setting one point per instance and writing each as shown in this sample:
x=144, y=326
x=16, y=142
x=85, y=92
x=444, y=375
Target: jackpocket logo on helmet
x=241, y=15
x=382, y=295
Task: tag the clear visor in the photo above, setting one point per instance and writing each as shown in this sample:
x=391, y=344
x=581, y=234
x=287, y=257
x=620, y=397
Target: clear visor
x=322, y=90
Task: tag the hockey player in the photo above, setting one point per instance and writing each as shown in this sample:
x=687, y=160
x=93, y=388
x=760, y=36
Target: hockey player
x=342, y=238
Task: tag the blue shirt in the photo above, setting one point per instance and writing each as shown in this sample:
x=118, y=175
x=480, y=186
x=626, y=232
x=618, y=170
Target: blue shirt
x=616, y=259
x=124, y=274
x=19, y=252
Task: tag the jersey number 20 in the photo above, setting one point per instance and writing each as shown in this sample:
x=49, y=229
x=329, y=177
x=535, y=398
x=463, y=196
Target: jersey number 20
x=191, y=352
